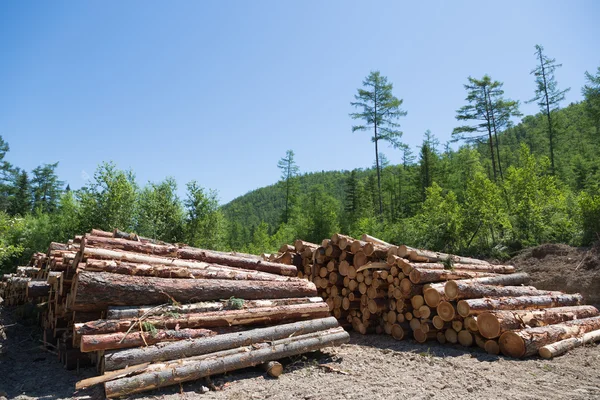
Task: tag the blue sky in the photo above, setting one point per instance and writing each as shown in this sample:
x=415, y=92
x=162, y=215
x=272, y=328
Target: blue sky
x=218, y=91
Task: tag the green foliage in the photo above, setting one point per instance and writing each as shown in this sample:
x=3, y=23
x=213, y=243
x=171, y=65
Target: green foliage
x=591, y=93
x=160, y=212
x=589, y=216
x=109, y=201
x=46, y=188
x=204, y=222
x=289, y=171
x=235, y=304
x=10, y=246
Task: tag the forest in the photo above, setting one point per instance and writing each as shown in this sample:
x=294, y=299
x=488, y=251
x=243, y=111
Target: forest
x=506, y=186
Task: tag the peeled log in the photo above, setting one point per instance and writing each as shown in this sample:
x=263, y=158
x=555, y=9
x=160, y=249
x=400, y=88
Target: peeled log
x=122, y=340
x=561, y=347
x=456, y=290
x=528, y=341
x=201, y=271
x=477, y=306
x=174, y=350
x=192, y=370
x=493, y=324
x=120, y=312
x=251, y=316
x=423, y=275
x=434, y=256
x=97, y=290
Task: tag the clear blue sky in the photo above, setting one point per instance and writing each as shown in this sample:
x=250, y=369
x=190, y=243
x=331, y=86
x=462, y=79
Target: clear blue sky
x=218, y=91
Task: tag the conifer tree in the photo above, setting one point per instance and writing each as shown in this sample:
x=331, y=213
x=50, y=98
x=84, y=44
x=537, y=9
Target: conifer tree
x=289, y=170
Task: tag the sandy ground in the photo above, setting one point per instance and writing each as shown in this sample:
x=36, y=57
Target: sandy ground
x=372, y=366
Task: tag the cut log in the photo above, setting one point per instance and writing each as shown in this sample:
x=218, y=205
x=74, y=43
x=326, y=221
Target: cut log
x=528, y=341
x=97, y=290
x=434, y=293
x=491, y=347
x=193, y=370
x=561, y=347
x=503, y=280
x=433, y=256
x=493, y=324
x=122, y=340
x=201, y=271
x=456, y=290
x=477, y=306
x=129, y=245
x=423, y=275
x=273, y=368
x=373, y=239
x=250, y=316
x=465, y=338
x=446, y=311
x=301, y=245
x=170, y=351
x=37, y=288
x=490, y=268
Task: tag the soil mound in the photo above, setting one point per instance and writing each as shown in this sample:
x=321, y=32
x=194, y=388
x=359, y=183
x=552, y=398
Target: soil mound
x=562, y=267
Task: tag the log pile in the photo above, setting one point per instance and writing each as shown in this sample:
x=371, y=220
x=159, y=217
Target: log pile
x=407, y=292
x=149, y=314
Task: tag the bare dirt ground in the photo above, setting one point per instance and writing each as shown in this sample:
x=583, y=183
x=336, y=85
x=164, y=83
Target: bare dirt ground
x=371, y=367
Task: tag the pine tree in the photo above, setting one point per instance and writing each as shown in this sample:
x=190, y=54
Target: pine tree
x=547, y=94
x=428, y=160
x=46, y=188
x=20, y=202
x=5, y=176
x=289, y=170
x=591, y=92
x=492, y=113
x=380, y=112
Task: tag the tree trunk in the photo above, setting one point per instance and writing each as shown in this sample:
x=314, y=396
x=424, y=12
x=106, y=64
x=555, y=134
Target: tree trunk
x=423, y=275
x=121, y=312
x=129, y=245
x=561, y=347
x=98, y=290
x=528, y=341
x=503, y=280
x=37, y=288
x=122, y=340
x=212, y=319
x=456, y=290
x=192, y=370
x=205, y=271
x=170, y=351
x=491, y=268
x=492, y=324
x=477, y=306
x=434, y=256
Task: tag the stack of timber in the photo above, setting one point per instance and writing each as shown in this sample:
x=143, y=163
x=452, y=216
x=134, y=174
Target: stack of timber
x=300, y=255
x=150, y=314
x=426, y=295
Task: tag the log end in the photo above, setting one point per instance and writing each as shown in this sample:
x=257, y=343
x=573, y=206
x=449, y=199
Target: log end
x=512, y=345
x=273, y=368
x=432, y=297
x=465, y=338
x=446, y=311
x=488, y=325
x=463, y=308
x=545, y=352
x=397, y=332
x=451, y=290
x=491, y=347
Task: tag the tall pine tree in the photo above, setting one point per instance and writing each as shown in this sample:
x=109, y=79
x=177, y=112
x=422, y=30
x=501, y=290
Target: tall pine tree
x=289, y=170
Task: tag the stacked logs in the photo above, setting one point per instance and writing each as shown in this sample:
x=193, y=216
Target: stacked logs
x=404, y=292
x=150, y=314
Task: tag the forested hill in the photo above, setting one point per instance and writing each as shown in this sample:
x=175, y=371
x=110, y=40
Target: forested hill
x=350, y=200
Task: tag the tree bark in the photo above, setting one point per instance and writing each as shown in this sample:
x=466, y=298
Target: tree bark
x=456, y=290
x=174, y=350
x=121, y=312
x=491, y=268
x=98, y=290
x=492, y=324
x=528, y=341
x=561, y=347
x=434, y=256
x=203, y=271
x=129, y=245
x=212, y=319
x=192, y=370
x=423, y=275
x=122, y=340
x=477, y=306
x=503, y=280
